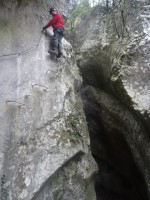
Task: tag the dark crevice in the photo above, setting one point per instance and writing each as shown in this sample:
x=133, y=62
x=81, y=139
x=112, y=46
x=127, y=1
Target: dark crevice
x=119, y=134
x=119, y=178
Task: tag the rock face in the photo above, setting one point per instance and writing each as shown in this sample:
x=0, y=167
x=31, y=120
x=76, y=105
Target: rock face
x=44, y=146
x=116, y=96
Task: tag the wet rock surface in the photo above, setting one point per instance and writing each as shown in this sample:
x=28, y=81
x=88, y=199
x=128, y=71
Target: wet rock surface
x=116, y=97
x=44, y=146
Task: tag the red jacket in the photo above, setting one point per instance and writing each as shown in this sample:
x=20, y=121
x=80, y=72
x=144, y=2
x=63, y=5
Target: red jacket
x=55, y=22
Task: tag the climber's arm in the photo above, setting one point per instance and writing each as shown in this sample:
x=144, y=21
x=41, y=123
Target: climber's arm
x=51, y=22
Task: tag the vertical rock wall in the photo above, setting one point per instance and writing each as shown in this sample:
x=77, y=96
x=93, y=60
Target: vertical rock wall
x=44, y=146
x=116, y=95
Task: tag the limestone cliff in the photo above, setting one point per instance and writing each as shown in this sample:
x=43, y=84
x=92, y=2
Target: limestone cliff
x=44, y=145
x=116, y=94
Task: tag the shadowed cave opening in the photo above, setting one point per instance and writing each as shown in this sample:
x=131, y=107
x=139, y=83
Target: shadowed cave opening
x=118, y=178
x=120, y=175
x=110, y=122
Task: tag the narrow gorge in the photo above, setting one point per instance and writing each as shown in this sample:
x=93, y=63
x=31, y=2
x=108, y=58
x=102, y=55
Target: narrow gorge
x=113, y=58
x=74, y=128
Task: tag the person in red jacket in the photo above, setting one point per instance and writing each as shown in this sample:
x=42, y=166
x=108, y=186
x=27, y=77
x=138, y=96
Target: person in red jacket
x=58, y=27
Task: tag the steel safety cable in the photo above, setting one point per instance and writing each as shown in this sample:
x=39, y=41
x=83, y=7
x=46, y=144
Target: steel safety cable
x=24, y=51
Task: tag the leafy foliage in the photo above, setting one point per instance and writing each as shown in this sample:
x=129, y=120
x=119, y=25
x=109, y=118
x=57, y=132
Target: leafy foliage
x=73, y=129
x=79, y=8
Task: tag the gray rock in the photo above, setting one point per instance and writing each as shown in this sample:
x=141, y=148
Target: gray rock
x=42, y=156
x=120, y=68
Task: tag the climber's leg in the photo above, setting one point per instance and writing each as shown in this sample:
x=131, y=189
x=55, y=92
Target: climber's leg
x=54, y=43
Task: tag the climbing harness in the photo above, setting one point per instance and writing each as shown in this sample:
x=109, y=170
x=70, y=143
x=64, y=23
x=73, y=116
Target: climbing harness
x=24, y=51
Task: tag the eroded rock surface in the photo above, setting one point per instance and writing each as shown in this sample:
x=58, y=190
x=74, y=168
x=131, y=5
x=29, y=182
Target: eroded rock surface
x=44, y=146
x=116, y=95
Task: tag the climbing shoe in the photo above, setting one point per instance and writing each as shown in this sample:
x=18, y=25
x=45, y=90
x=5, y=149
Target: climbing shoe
x=52, y=51
x=59, y=55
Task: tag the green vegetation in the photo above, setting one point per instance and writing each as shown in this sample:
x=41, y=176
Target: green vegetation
x=73, y=129
x=73, y=124
x=80, y=8
x=117, y=9
x=67, y=135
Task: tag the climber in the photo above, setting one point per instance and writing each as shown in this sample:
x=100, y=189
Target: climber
x=58, y=27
